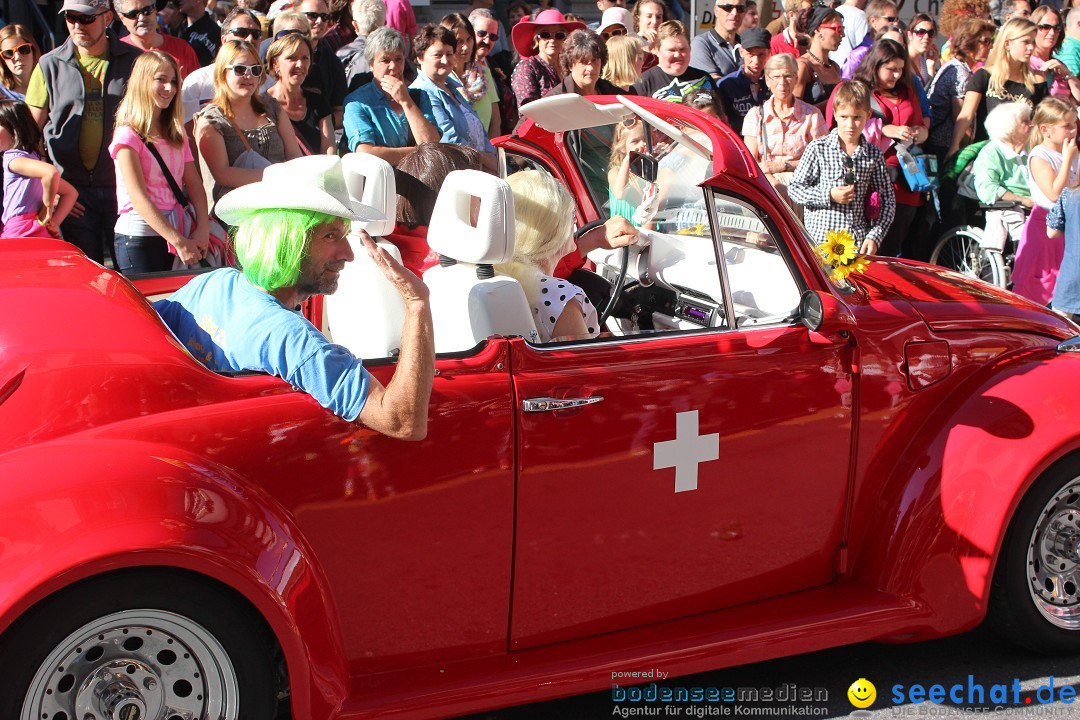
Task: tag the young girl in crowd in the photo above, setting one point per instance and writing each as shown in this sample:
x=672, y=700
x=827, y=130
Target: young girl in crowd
x=147, y=229
x=1052, y=168
x=31, y=186
x=625, y=190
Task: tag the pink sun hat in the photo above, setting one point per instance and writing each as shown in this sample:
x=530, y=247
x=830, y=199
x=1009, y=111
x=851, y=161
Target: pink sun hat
x=524, y=32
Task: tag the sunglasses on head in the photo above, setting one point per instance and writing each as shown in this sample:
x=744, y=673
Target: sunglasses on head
x=80, y=19
x=285, y=33
x=313, y=16
x=732, y=8
x=23, y=49
x=545, y=35
x=245, y=33
x=925, y=31
x=986, y=41
x=484, y=33
x=243, y=70
x=144, y=11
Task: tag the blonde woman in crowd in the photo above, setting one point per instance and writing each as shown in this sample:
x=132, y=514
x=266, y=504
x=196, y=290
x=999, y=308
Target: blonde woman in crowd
x=625, y=59
x=237, y=135
x=20, y=54
x=1007, y=77
x=289, y=61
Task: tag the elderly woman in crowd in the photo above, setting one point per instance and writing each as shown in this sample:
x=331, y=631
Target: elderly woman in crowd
x=289, y=60
x=626, y=57
x=777, y=132
x=544, y=215
x=818, y=75
x=539, y=42
x=420, y=176
x=435, y=46
x=20, y=54
x=384, y=117
x=1007, y=77
x=237, y=134
x=583, y=55
x=971, y=43
x=1000, y=174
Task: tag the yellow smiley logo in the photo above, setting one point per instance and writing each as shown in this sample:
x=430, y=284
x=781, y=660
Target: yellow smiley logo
x=862, y=693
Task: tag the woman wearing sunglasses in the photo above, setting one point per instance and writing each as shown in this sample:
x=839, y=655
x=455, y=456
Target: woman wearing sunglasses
x=539, y=42
x=1049, y=37
x=20, y=54
x=922, y=52
x=236, y=135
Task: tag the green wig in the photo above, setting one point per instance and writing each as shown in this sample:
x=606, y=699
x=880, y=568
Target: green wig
x=271, y=244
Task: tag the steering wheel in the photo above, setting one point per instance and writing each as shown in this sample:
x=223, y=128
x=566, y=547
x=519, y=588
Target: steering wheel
x=620, y=282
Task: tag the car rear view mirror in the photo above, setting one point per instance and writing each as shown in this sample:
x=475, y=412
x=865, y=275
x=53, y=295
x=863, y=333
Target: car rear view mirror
x=644, y=166
x=827, y=319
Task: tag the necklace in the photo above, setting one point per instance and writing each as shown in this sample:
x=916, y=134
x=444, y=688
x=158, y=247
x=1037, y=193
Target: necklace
x=819, y=60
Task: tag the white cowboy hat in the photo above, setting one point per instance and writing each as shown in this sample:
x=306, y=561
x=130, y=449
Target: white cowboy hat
x=314, y=182
x=617, y=16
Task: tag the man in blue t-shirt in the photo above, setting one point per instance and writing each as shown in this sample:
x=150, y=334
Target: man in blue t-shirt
x=292, y=241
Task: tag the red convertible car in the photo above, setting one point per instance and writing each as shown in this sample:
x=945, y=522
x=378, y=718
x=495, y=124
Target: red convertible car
x=756, y=460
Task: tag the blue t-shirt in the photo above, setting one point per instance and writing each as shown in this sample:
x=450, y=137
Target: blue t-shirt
x=230, y=325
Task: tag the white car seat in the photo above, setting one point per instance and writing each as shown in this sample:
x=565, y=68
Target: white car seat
x=468, y=302
x=366, y=314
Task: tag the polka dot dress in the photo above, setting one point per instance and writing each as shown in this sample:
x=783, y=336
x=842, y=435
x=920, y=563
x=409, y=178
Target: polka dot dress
x=555, y=293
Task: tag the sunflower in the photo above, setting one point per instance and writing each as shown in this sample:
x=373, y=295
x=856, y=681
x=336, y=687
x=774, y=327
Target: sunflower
x=839, y=247
x=859, y=264
x=842, y=271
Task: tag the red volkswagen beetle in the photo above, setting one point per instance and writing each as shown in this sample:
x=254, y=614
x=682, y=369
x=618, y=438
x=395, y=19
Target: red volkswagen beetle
x=755, y=461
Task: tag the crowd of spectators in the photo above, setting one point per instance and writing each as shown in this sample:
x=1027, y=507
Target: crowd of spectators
x=272, y=81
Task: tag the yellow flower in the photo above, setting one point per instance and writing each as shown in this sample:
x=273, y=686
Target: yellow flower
x=839, y=247
x=839, y=273
x=859, y=264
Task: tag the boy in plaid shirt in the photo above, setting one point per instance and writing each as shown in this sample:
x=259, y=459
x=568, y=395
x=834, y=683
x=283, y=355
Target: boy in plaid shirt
x=838, y=173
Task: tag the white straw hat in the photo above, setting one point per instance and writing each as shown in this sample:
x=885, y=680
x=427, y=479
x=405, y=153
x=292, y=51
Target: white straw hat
x=313, y=182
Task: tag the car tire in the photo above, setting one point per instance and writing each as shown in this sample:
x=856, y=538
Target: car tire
x=138, y=645
x=1035, y=596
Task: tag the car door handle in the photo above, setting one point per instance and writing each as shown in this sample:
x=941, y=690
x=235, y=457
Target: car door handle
x=548, y=404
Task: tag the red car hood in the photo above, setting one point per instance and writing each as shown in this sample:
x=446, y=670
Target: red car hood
x=950, y=301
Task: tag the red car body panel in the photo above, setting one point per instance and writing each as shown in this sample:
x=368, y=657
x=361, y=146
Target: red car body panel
x=862, y=491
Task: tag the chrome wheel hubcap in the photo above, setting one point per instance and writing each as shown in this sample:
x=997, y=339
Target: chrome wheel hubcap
x=135, y=665
x=1053, y=561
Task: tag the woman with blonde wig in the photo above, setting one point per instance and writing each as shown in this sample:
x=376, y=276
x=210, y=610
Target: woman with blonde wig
x=236, y=134
x=20, y=54
x=544, y=215
x=1007, y=77
x=148, y=135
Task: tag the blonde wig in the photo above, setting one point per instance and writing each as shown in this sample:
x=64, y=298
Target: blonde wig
x=999, y=64
x=544, y=219
x=227, y=56
x=625, y=53
x=137, y=108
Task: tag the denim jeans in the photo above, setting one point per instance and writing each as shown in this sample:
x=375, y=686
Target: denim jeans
x=94, y=229
x=141, y=254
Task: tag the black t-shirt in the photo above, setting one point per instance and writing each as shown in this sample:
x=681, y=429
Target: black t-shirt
x=1014, y=92
x=327, y=75
x=658, y=84
x=204, y=36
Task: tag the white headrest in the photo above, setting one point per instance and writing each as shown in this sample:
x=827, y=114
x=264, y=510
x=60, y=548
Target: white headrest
x=371, y=179
x=452, y=233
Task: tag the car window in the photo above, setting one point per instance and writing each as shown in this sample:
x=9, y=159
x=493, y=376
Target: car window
x=763, y=288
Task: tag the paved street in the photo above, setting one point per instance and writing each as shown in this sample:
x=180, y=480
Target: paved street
x=946, y=662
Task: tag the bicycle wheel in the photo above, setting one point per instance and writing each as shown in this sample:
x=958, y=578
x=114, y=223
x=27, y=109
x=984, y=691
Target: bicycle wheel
x=960, y=249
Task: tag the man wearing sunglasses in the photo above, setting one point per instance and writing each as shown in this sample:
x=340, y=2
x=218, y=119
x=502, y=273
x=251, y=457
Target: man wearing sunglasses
x=487, y=30
x=141, y=20
x=73, y=95
x=201, y=32
x=715, y=51
x=327, y=74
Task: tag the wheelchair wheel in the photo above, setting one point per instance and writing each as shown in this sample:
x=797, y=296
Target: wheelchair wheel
x=960, y=249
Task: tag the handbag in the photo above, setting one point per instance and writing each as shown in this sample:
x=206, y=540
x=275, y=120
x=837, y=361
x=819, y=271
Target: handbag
x=218, y=253
x=920, y=171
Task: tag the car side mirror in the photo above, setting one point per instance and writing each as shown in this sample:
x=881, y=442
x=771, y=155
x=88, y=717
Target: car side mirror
x=644, y=166
x=827, y=319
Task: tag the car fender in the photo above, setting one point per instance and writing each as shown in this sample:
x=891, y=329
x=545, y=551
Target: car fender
x=934, y=533
x=71, y=509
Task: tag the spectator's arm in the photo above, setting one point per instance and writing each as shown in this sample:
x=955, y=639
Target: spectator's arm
x=288, y=136
x=964, y=121
x=326, y=133
x=212, y=149
x=988, y=175
x=806, y=187
x=423, y=131
x=389, y=154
